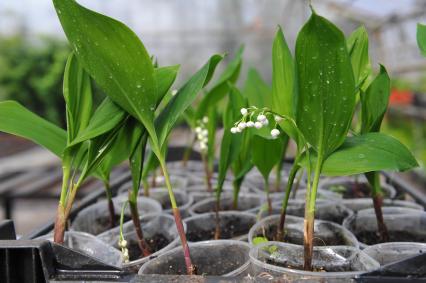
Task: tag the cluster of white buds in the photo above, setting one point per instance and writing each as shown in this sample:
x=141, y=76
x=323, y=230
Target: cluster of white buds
x=248, y=121
x=202, y=133
x=124, y=251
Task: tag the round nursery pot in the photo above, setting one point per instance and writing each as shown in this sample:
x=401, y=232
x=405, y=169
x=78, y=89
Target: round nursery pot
x=394, y=251
x=349, y=187
x=183, y=200
x=324, y=210
x=199, y=192
x=176, y=167
x=233, y=225
x=330, y=263
x=246, y=202
x=321, y=195
x=90, y=245
x=403, y=224
x=159, y=232
x=357, y=204
x=94, y=219
x=257, y=184
x=216, y=258
x=177, y=182
x=326, y=233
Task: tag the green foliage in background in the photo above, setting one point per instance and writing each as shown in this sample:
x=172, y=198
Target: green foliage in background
x=31, y=73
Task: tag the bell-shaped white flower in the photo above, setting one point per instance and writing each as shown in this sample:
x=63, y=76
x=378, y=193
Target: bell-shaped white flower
x=275, y=133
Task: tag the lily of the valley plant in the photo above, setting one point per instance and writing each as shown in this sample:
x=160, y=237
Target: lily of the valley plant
x=315, y=99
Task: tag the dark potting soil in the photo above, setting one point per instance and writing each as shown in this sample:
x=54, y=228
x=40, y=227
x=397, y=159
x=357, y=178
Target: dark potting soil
x=373, y=237
x=227, y=206
x=233, y=227
x=103, y=223
x=155, y=243
x=296, y=237
x=165, y=202
x=352, y=189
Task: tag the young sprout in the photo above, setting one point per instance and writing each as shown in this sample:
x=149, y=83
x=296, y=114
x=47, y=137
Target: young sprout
x=122, y=243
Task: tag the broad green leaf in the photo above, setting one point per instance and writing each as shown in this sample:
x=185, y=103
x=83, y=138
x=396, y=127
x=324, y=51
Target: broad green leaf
x=266, y=153
x=358, y=50
x=257, y=92
x=78, y=97
x=231, y=143
x=17, y=120
x=283, y=77
x=107, y=116
x=183, y=99
x=326, y=85
x=421, y=38
x=98, y=149
x=177, y=106
x=136, y=163
x=115, y=58
x=164, y=77
x=367, y=153
x=221, y=87
x=374, y=102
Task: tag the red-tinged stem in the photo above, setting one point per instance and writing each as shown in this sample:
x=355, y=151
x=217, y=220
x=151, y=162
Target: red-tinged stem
x=292, y=175
x=137, y=223
x=59, y=230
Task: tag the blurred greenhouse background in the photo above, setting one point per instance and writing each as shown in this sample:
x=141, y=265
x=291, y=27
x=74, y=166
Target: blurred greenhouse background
x=33, y=48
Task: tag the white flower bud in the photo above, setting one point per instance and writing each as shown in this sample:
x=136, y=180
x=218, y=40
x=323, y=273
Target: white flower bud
x=242, y=125
x=275, y=133
x=198, y=130
x=203, y=146
x=174, y=92
x=205, y=132
x=261, y=118
x=234, y=130
x=243, y=111
x=200, y=136
x=126, y=253
x=258, y=125
x=205, y=119
x=265, y=122
x=122, y=243
x=278, y=118
x=250, y=124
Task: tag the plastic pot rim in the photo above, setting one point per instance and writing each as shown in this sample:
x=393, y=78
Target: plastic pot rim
x=254, y=250
x=207, y=243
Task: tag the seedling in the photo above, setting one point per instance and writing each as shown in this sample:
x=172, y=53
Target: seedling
x=117, y=60
x=323, y=109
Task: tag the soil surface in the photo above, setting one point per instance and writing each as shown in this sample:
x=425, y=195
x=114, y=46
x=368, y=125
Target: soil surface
x=351, y=190
x=227, y=206
x=233, y=227
x=297, y=238
x=373, y=237
x=155, y=243
x=103, y=223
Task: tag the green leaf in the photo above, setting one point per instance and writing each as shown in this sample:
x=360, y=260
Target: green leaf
x=221, y=87
x=107, y=116
x=183, y=99
x=374, y=102
x=257, y=92
x=421, y=38
x=115, y=58
x=164, y=77
x=98, y=149
x=283, y=77
x=326, y=85
x=78, y=97
x=358, y=50
x=266, y=153
x=17, y=120
x=136, y=163
x=367, y=153
x=231, y=143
